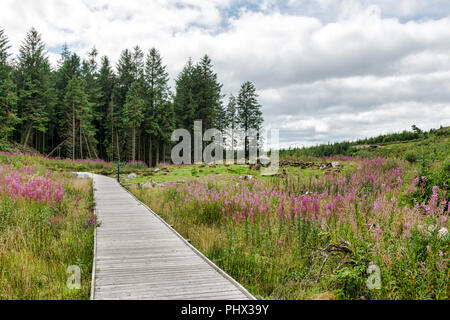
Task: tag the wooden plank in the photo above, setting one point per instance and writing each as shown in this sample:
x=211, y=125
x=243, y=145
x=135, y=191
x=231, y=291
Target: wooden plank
x=138, y=256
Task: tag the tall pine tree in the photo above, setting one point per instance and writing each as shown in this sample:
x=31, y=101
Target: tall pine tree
x=78, y=119
x=133, y=114
x=249, y=111
x=106, y=82
x=8, y=98
x=159, y=116
x=35, y=93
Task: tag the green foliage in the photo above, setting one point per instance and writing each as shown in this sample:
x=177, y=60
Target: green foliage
x=39, y=242
x=35, y=94
x=434, y=143
x=114, y=120
x=79, y=116
x=411, y=157
x=8, y=109
x=133, y=113
x=248, y=108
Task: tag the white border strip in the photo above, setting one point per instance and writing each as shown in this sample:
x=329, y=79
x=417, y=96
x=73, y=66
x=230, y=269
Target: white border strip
x=95, y=243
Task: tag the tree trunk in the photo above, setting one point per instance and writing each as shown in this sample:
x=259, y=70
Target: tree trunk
x=232, y=143
x=150, y=159
x=73, y=133
x=117, y=146
x=87, y=146
x=57, y=148
x=157, y=152
x=112, y=142
x=143, y=147
x=133, y=145
x=164, y=152
x=81, y=144
x=112, y=128
x=28, y=130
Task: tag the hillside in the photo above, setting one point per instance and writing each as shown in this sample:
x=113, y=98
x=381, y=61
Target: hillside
x=407, y=145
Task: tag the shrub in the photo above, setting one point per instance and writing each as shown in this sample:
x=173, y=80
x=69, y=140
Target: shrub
x=136, y=165
x=411, y=157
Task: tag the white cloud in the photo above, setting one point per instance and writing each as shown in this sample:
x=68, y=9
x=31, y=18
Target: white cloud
x=326, y=70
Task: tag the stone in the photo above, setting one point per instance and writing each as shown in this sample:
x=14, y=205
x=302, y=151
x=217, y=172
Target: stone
x=335, y=164
x=132, y=176
x=442, y=233
x=264, y=161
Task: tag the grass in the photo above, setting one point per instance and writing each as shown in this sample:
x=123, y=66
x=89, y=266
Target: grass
x=275, y=235
x=39, y=240
x=183, y=173
x=272, y=235
x=435, y=148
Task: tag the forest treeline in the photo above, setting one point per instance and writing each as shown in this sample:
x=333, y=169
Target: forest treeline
x=89, y=108
x=347, y=147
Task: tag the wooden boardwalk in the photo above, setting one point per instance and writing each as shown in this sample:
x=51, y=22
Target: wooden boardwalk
x=138, y=256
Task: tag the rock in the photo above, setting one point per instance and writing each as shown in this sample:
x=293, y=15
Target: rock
x=132, y=176
x=157, y=170
x=255, y=167
x=335, y=164
x=264, y=161
x=442, y=233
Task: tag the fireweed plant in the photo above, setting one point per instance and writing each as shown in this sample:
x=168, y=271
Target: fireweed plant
x=300, y=237
x=46, y=225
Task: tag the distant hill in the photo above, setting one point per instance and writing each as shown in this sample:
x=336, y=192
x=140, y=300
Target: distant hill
x=409, y=145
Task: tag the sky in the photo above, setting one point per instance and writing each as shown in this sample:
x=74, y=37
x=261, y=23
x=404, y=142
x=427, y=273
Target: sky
x=325, y=70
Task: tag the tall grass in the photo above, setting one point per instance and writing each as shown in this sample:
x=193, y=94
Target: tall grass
x=309, y=237
x=46, y=225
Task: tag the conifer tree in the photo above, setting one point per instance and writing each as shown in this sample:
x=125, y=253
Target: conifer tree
x=184, y=104
x=77, y=118
x=249, y=110
x=8, y=98
x=126, y=75
x=159, y=116
x=208, y=95
x=33, y=85
x=84, y=109
x=90, y=76
x=134, y=113
x=106, y=82
x=230, y=121
x=4, y=47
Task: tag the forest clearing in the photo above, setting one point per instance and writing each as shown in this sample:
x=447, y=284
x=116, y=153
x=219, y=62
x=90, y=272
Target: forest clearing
x=225, y=150
x=306, y=233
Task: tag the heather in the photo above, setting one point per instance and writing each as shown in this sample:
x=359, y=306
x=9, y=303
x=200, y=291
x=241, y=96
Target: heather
x=306, y=236
x=57, y=164
x=46, y=225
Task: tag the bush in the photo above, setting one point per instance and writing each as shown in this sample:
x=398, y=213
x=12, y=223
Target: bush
x=136, y=165
x=411, y=157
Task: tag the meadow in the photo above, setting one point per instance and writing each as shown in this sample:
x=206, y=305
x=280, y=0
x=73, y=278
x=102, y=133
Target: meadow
x=46, y=225
x=306, y=233
x=314, y=235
